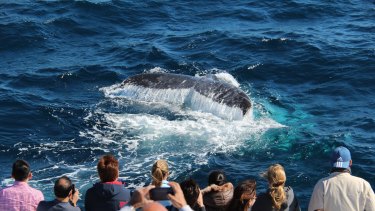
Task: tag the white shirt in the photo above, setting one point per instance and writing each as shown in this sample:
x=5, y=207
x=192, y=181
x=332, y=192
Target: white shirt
x=344, y=192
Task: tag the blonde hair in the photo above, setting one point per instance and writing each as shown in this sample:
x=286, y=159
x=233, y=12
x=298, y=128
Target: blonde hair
x=159, y=172
x=276, y=181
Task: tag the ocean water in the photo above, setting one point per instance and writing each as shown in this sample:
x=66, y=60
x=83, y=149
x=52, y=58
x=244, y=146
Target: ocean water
x=307, y=66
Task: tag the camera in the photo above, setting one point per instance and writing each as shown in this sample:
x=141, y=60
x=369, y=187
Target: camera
x=160, y=194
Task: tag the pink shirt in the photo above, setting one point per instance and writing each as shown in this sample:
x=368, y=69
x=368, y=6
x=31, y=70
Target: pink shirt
x=20, y=197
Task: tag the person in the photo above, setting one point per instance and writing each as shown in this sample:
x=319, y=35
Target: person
x=193, y=195
x=277, y=197
x=159, y=174
x=66, y=197
x=244, y=196
x=340, y=190
x=154, y=206
x=109, y=194
x=20, y=196
x=178, y=199
x=139, y=200
x=219, y=193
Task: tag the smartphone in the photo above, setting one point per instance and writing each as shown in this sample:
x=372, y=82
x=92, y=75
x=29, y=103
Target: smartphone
x=73, y=189
x=160, y=194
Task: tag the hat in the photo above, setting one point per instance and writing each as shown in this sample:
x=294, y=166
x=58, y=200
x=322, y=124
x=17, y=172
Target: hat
x=217, y=177
x=341, y=157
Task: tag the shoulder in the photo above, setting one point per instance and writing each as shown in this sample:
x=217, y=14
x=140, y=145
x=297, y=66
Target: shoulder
x=38, y=193
x=8, y=189
x=66, y=206
x=361, y=182
x=262, y=203
x=289, y=190
x=45, y=205
x=358, y=179
x=263, y=198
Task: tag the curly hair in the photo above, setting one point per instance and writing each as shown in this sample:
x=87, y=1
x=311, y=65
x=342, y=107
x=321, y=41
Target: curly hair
x=276, y=181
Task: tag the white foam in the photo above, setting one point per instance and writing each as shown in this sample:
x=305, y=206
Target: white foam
x=228, y=78
x=186, y=142
x=178, y=97
x=157, y=70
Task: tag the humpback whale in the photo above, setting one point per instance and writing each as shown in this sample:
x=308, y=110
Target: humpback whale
x=206, y=94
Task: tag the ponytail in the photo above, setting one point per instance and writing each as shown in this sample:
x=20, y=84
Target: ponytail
x=276, y=182
x=278, y=196
x=159, y=172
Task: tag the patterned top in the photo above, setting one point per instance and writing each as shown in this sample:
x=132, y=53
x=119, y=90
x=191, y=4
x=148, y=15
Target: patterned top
x=20, y=197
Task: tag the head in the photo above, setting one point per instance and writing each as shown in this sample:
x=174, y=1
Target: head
x=217, y=177
x=108, y=168
x=159, y=172
x=243, y=194
x=276, y=181
x=63, y=187
x=154, y=206
x=21, y=171
x=341, y=158
x=191, y=191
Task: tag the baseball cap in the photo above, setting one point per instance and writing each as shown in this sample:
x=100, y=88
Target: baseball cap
x=341, y=157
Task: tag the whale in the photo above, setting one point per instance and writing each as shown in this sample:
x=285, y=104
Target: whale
x=206, y=94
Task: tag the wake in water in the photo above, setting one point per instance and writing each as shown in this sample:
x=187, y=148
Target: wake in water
x=143, y=129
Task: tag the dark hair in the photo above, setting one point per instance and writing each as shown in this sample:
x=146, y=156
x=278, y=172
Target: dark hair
x=191, y=191
x=108, y=168
x=62, y=187
x=20, y=170
x=217, y=177
x=244, y=191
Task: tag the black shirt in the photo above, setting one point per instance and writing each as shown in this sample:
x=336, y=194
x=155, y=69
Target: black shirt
x=264, y=202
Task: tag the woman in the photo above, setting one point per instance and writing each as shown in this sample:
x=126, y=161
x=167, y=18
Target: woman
x=278, y=197
x=244, y=196
x=192, y=194
x=160, y=173
x=219, y=193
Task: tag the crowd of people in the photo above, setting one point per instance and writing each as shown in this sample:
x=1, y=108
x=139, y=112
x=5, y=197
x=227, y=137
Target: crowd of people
x=339, y=191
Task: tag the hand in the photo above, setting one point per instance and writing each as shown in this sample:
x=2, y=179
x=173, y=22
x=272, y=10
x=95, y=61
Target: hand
x=251, y=201
x=178, y=199
x=140, y=197
x=75, y=197
x=200, y=199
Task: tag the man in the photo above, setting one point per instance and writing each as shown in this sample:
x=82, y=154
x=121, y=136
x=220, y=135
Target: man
x=109, y=194
x=340, y=190
x=66, y=197
x=20, y=196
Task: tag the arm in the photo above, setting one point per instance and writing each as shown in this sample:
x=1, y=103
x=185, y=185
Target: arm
x=139, y=198
x=317, y=198
x=74, y=197
x=178, y=199
x=370, y=198
x=200, y=201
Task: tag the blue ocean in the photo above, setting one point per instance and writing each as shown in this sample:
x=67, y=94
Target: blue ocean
x=307, y=66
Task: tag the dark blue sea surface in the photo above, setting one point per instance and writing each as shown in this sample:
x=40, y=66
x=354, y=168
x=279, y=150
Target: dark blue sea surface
x=308, y=67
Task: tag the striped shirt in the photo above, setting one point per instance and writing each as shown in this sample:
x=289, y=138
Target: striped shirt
x=20, y=197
